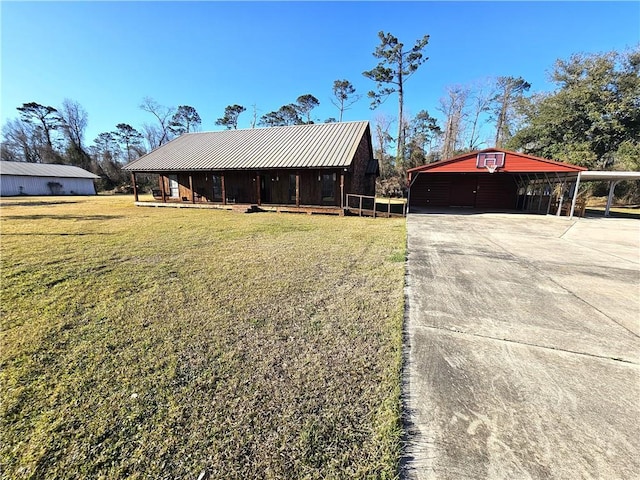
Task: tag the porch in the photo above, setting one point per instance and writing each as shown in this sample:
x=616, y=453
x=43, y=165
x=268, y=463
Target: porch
x=314, y=191
x=244, y=207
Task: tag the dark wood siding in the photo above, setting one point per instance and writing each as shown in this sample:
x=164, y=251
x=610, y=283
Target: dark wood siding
x=241, y=187
x=359, y=182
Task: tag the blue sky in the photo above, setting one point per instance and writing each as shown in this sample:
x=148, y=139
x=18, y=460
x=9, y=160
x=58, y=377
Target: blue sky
x=109, y=55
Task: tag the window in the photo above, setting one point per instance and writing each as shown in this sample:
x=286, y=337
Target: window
x=217, y=188
x=173, y=186
x=292, y=188
x=328, y=187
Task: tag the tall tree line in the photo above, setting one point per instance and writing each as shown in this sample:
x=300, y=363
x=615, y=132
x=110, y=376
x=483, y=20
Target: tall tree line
x=592, y=118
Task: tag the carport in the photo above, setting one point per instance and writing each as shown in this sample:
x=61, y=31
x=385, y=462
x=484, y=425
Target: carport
x=598, y=176
x=494, y=179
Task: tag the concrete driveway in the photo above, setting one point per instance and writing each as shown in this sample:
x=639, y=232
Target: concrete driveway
x=523, y=350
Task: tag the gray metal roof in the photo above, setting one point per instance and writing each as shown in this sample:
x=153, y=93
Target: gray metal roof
x=322, y=145
x=26, y=169
x=609, y=175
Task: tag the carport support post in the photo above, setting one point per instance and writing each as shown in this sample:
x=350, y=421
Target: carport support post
x=550, y=192
x=575, y=196
x=562, y=187
x=135, y=187
x=559, y=211
x=193, y=194
x=612, y=188
x=297, y=189
x=540, y=192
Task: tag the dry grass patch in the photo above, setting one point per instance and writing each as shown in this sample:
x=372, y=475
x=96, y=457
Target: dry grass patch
x=160, y=343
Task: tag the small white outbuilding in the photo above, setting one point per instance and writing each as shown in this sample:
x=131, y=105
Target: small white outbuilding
x=23, y=178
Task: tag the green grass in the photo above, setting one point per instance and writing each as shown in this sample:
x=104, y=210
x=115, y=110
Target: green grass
x=161, y=343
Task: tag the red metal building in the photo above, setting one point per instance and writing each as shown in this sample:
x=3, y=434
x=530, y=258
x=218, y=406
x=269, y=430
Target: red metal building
x=492, y=179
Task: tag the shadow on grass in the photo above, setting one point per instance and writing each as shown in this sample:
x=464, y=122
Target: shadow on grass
x=600, y=214
x=53, y=234
x=62, y=217
x=32, y=204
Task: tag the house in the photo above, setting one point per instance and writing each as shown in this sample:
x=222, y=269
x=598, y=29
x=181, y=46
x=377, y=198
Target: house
x=23, y=178
x=493, y=179
x=292, y=168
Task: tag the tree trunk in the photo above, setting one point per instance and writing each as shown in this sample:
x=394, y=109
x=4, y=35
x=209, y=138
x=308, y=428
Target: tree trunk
x=400, y=149
x=502, y=118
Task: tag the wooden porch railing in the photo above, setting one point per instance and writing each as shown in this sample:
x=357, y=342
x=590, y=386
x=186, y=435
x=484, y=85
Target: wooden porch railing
x=366, y=205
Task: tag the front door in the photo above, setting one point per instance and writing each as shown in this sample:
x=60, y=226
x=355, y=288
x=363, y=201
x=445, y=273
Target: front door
x=265, y=188
x=463, y=191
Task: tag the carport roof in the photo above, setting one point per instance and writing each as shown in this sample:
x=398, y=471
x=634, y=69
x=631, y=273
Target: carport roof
x=596, y=175
x=514, y=163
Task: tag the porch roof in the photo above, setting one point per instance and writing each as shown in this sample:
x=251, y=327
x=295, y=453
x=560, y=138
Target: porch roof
x=326, y=145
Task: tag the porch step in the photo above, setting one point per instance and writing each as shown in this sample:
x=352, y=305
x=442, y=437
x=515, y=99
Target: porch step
x=245, y=208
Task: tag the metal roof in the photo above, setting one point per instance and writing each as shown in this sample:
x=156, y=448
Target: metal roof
x=553, y=164
x=608, y=175
x=27, y=169
x=323, y=145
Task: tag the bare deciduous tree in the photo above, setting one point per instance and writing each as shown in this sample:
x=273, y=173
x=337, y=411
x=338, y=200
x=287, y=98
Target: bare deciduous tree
x=75, y=120
x=163, y=115
x=453, y=106
x=509, y=91
x=480, y=99
x=383, y=139
x=21, y=141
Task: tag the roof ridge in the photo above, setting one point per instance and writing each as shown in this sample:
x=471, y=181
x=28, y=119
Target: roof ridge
x=276, y=126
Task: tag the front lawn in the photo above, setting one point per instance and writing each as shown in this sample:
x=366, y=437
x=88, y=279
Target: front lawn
x=162, y=343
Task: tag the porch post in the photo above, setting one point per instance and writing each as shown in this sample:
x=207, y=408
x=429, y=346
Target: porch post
x=135, y=187
x=164, y=195
x=258, y=189
x=342, y=190
x=193, y=195
x=297, y=189
x=224, y=190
